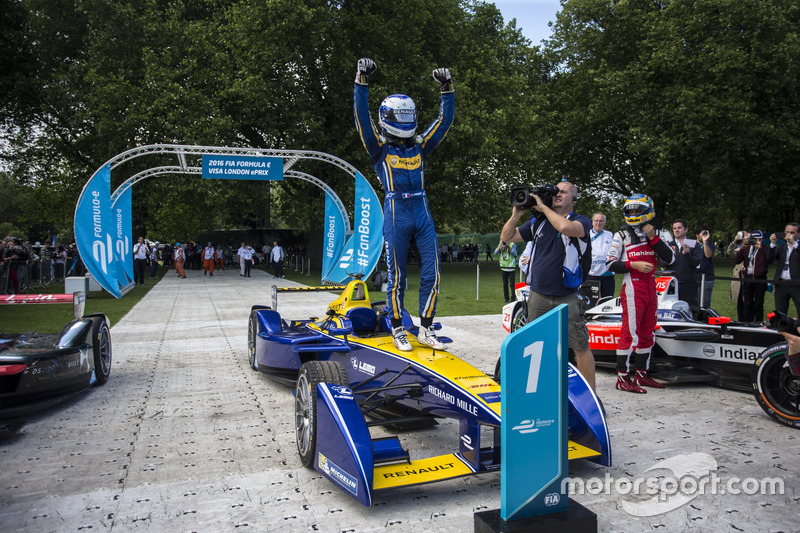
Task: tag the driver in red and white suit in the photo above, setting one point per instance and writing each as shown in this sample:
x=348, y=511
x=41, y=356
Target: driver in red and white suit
x=635, y=251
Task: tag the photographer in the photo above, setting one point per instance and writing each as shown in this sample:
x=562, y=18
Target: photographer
x=546, y=267
x=787, y=258
x=755, y=262
x=706, y=266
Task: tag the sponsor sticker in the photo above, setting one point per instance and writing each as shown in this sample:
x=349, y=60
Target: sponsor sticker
x=330, y=469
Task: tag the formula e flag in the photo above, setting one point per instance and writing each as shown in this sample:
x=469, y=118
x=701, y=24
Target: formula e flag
x=94, y=230
x=121, y=209
x=333, y=240
x=363, y=248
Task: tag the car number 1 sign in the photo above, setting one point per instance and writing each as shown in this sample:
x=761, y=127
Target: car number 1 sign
x=533, y=372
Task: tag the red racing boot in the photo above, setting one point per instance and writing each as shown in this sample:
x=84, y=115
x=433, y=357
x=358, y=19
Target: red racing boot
x=625, y=383
x=643, y=380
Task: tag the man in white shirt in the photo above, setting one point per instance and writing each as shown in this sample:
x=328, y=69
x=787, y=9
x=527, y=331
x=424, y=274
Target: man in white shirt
x=277, y=257
x=601, y=242
x=241, y=252
x=140, y=253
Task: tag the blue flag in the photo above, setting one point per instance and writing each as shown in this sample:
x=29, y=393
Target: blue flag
x=94, y=230
x=363, y=248
x=123, y=238
x=333, y=240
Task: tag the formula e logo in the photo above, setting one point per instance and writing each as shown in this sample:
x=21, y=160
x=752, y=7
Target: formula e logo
x=467, y=441
x=346, y=258
x=527, y=426
x=532, y=426
x=361, y=366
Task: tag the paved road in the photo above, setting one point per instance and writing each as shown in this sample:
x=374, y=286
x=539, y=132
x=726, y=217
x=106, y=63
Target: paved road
x=186, y=437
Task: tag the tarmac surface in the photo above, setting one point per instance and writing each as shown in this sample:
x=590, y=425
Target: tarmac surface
x=186, y=437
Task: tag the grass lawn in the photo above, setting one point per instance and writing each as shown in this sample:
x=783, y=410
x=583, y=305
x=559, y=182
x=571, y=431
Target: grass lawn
x=466, y=289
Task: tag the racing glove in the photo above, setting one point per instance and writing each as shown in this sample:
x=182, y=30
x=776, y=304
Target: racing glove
x=442, y=75
x=364, y=68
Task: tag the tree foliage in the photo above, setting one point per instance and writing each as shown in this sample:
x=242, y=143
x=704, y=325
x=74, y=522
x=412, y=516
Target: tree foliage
x=692, y=102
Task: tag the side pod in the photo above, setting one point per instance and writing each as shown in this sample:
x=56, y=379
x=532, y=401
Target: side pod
x=587, y=423
x=344, y=445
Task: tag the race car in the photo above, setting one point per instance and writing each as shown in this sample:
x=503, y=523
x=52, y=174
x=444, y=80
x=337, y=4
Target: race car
x=749, y=357
x=349, y=378
x=39, y=370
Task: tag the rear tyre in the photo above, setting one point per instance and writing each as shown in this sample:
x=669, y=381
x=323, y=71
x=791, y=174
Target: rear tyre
x=776, y=389
x=101, y=347
x=252, y=334
x=305, y=403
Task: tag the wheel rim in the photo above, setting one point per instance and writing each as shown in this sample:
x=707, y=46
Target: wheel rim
x=519, y=320
x=104, y=343
x=302, y=408
x=780, y=389
x=251, y=342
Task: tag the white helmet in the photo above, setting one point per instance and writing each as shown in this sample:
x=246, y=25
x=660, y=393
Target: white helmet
x=398, y=116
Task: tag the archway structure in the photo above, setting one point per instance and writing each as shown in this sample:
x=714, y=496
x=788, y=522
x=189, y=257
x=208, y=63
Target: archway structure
x=103, y=220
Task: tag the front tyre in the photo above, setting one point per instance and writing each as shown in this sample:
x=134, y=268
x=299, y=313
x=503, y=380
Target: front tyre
x=101, y=348
x=252, y=335
x=305, y=403
x=776, y=389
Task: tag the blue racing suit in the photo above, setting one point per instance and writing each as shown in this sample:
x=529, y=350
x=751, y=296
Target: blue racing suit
x=406, y=216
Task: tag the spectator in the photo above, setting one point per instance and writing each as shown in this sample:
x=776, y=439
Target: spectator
x=209, y=259
x=140, y=253
x=706, y=266
x=601, y=243
x=755, y=261
x=787, y=259
x=508, y=266
x=241, y=253
x=277, y=257
x=220, y=259
x=155, y=255
x=179, y=258
x=687, y=257
x=248, y=260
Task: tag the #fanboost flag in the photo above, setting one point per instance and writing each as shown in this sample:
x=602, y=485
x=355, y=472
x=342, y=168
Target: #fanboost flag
x=333, y=240
x=363, y=248
x=94, y=230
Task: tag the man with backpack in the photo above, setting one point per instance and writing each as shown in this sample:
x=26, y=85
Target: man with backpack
x=560, y=260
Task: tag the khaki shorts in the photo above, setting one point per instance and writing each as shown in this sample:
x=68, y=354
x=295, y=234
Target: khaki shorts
x=539, y=304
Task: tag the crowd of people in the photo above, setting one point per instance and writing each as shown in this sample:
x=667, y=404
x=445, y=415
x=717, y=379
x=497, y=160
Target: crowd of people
x=636, y=252
x=208, y=258
x=24, y=265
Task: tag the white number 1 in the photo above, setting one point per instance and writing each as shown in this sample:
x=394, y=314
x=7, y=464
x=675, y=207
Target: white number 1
x=534, y=351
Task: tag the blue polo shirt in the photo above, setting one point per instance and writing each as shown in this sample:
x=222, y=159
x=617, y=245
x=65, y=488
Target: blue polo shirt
x=546, y=272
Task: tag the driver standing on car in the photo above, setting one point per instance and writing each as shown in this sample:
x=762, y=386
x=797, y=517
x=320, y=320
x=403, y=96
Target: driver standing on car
x=635, y=251
x=398, y=156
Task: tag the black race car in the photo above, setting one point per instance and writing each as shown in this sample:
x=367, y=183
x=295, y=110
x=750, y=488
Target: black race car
x=40, y=370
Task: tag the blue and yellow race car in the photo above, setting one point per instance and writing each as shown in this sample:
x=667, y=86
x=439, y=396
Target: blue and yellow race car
x=349, y=377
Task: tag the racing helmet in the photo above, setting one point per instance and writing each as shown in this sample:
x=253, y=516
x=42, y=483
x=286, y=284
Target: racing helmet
x=638, y=209
x=398, y=116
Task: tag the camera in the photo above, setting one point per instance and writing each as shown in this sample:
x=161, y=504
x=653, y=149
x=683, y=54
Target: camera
x=782, y=322
x=521, y=195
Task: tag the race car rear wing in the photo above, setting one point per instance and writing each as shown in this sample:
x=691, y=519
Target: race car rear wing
x=276, y=290
x=77, y=299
